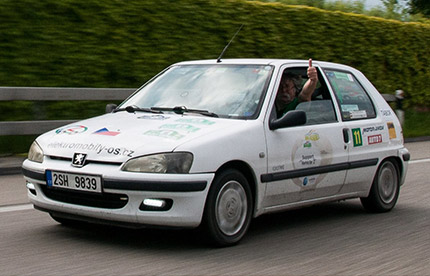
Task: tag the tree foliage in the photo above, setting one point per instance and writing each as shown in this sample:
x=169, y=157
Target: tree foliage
x=402, y=10
x=420, y=6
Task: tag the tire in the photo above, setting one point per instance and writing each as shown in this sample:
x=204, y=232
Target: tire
x=228, y=209
x=385, y=189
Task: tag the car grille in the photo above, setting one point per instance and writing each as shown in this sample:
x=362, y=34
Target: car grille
x=104, y=200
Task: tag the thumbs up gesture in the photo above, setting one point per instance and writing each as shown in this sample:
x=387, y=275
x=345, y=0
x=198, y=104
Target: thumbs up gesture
x=312, y=72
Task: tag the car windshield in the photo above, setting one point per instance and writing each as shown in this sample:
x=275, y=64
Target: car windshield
x=228, y=91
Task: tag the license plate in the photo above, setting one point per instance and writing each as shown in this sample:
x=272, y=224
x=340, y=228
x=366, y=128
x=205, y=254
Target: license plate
x=71, y=181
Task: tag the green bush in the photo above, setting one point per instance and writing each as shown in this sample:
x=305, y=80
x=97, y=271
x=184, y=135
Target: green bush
x=95, y=43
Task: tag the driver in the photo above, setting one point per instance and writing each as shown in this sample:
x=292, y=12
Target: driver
x=289, y=94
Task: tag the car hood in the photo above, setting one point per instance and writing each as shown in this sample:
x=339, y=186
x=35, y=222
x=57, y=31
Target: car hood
x=117, y=137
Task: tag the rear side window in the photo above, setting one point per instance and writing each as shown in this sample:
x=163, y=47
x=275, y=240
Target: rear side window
x=353, y=100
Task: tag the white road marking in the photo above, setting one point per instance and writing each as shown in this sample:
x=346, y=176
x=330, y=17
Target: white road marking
x=12, y=208
x=419, y=161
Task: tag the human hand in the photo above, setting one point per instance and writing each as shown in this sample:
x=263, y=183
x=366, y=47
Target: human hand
x=312, y=72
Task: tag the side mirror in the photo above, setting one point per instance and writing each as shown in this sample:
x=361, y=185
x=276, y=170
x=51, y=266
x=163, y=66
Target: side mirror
x=292, y=118
x=110, y=107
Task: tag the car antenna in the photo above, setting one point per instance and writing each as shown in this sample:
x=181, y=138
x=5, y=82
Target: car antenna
x=225, y=48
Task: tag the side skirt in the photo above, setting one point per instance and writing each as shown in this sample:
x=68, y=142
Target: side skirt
x=300, y=204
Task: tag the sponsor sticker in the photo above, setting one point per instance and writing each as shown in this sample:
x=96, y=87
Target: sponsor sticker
x=184, y=127
x=105, y=131
x=309, y=180
x=95, y=147
x=373, y=128
x=356, y=137
x=311, y=150
x=386, y=112
x=307, y=160
x=153, y=117
x=374, y=139
x=278, y=168
x=312, y=136
x=391, y=130
x=196, y=121
x=165, y=133
x=71, y=130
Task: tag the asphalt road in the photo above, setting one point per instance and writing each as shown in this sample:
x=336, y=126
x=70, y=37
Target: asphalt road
x=335, y=238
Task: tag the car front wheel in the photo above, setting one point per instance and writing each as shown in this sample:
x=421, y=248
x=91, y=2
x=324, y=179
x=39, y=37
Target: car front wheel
x=228, y=208
x=385, y=188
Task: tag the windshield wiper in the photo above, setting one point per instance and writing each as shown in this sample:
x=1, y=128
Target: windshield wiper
x=134, y=108
x=182, y=109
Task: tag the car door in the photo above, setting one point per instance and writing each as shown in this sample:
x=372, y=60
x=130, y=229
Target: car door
x=303, y=160
x=368, y=133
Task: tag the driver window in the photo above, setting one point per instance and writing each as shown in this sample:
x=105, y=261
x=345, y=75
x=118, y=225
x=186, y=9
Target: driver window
x=317, y=103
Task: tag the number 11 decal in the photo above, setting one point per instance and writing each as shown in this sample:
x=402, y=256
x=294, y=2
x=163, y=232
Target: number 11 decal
x=356, y=136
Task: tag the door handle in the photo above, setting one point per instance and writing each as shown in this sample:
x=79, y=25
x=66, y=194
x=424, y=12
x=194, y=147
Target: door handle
x=346, y=135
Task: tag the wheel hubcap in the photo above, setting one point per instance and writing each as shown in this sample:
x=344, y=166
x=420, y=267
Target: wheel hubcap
x=231, y=208
x=387, y=183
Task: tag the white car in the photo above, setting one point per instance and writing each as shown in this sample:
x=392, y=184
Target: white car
x=200, y=144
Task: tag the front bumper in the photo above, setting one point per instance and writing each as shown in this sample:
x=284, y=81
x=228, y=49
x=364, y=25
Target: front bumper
x=122, y=196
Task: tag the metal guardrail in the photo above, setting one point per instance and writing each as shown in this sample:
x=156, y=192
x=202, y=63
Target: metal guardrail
x=53, y=94
x=63, y=94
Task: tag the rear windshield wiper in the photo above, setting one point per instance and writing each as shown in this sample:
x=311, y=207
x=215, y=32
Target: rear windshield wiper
x=183, y=109
x=134, y=108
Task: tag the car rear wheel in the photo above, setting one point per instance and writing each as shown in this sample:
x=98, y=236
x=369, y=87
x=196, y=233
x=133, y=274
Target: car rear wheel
x=228, y=208
x=385, y=189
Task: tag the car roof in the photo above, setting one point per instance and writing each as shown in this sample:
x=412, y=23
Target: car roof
x=261, y=61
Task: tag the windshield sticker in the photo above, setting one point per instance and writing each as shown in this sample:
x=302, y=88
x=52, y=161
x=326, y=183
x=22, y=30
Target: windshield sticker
x=358, y=114
x=349, y=107
x=153, y=117
x=164, y=133
x=196, y=121
x=343, y=76
x=356, y=137
x=391, y=130
x=374, y=139
x=71, y=130
x=105, y=131
x=97, y=148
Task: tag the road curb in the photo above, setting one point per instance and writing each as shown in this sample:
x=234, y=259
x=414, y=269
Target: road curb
x=417, y=139
x=10, y=170
x=11, y=165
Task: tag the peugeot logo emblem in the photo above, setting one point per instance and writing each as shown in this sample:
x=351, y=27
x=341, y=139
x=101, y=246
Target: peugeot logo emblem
x=79, y=159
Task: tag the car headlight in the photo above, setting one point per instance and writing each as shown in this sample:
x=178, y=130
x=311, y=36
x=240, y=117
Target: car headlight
x=176, y=162
x=35, y=153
